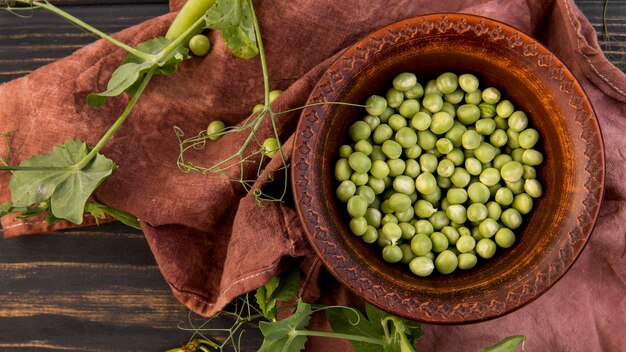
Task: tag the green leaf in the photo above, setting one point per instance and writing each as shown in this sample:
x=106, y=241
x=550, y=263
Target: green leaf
x=282, y=335
x=132, y=70
x=52, y=178
x=351, y=321
x=509, y=344
x=281, y=288
x=234, y=19
x=412, y=329
x=99, y=211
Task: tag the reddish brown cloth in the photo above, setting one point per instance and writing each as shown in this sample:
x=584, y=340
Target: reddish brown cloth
x=210, y=239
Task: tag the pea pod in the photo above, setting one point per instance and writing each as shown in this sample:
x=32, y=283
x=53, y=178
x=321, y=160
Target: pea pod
x=509, y=344
x=187, y=16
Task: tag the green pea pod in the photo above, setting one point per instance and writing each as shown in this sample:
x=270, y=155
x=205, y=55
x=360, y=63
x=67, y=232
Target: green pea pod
x=188, y=15
x=509, y=344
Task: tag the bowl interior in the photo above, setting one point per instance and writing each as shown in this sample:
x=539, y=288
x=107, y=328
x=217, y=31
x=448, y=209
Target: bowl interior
x=532, y=88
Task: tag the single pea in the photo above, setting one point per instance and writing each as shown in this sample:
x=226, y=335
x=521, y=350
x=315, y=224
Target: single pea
x=372, y=121
x=516, y=187
x=504, y=196
x=364, y=147
x=523, y=203
x=512, y=171
x=533, y=188
x=406, y=215
x=445, y=168
x=258, y=107
x=394, y=98
x=440, y=242
x=528, y=138
x=439, y=219
x=421, y=121
x=215, y=130
x=488, y=227
x=396, y=167
x=455, y=97
x=426, y=140
x=485, y=126
x=465, y=243
x=392, y=232
x=456, y=156
x=384, y=117
x=468, y=113
x=404, y=81
x=342, y=170
x=456, y=195
x=359, y=130
x=421, y=244
x=392, y=253
x=460, y=177
x=358, y=226
x=443, y=182
x=468, y=82
x=455, y=134
x=518, y=121
x=532, y=157
x=359, y=162
x=404, y=184
x=490, y=176
x=446, y=262
x=475, y=97
x=478, y=192
x=441, y=122
x=396, y=122
x=357, y=206
x=406, y=137
x=199, y=45
x=473, y=166
x=359, y=178
x=408, y=231
x=386, y=208
x=382, y=133
x=412, y=168
x=424, y=226
x=392, y=149
x=499, y=138
x=505, y=238
x=486, y=248
x=424, y=209
x=421, y=266
x=345, y=190
x=434, y=197
x=471, y=139
x=431, y=88
x=345, y=151
x=491, y=95
x=457, y=213
x=505, y=108
x=529, y=172
x=501, y=123
x=511, y=218
x=413, y=152
x=500, y=160
x=447, y=82
x=494, y=210
x=517, y=153
x=409, y=108
x=432, y=102
x=379, y=169
x=467, y=261
x=370, y=235
x=416, y=92
x=375, y=105
x=366, y=192
x=485, y=152
x=407, y=253
x=487, y=111
x=377, y=153
x=373, y=217
x=477, y=212
x=376, y=184
x=512, y=139
x=400, y=202
x=426, y=183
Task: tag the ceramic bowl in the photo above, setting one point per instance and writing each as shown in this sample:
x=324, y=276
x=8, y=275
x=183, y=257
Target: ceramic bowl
x=536, y=81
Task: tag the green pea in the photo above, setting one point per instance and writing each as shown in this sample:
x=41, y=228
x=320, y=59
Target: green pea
x=486, y=248
x=471, y=139
x=428, y=163
x=424, y=227
x=406, y=137
x=443, y=182
x=345, y=151
x=396, y=122
x=449, y=108
x=358, y=226
x=439, y=219
x=359, y=162
x=426, y=183
x=440, y=242
x=370, y=235
x=366, y=192
x=455, y=97
x=501, y=123
x=500, y=160
x=384, y=117
x=357, y=206
x=457, y=213
x=364, y=147
x=408, y=231
x=468, y=113
x=512, y=140
x=421, y=121
x=512, y=171
x=529, y=172
x=404, y=184
x=376, y=184
x=392, y=253
x=445, y=168
x=409, y=108
x=473, y=166
x=464, y=231
x=456, y=195
x=382, y=242
x=396, y=167
x=532, y=157
x=388, y=218
x=468, y=82
x=441, y=122
x=377, y=153
x=359, y=178
x=528, y=138
x=485, y=126
x=416, y=92
x=407, y=253
x=342, y=170
x=505, y=238
x=511, y=218
x=372, y=121
x=456, y=156
x=446, y=262
x=491, y=95
x=465, y=244
x=475, y=97
x=424, y=209
x=490, y=176
x=421, y=266
x=494, y=210
x=382, y=133
x=404, y=81
x=392, y=149
x=485, y=152
x=523, y=203
x=359, y=130
x=400, y=202
x=373, y=217
x=431, y=88
x=379, y=169
x=345, y=190
x=488, y=227
x=505, y=108
x=517, y=154
x=413, y=152
x=487, y=111
x=375, y=105
x=467, y=261
x=460, y=177
x=215, y=130
x=533, y=188
x=392, y=232
x=426, y=139
x=504, y=196
x=447, y=82
x=478, y=192
x=455, y=134
x=499, y=138
x=432, y=102
x=421, y=244
x=476, y=212
x=518, y=121
x=394, y=97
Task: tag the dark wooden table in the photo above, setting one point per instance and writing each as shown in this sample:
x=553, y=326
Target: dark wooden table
x=98, y=288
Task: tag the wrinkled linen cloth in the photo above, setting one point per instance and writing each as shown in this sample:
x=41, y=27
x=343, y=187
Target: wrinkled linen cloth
x=210, y=239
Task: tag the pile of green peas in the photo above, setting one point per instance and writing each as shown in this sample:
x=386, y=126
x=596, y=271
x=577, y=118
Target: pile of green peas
x=439, y=175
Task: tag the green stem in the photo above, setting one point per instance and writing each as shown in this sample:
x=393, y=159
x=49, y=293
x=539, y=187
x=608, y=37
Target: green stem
x=180, y=39
x=335, y=335
x=120, y=120
x=266, y=79
x=49, y=7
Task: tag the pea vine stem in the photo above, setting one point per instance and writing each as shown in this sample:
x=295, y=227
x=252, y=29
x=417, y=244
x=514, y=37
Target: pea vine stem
x=336, y=335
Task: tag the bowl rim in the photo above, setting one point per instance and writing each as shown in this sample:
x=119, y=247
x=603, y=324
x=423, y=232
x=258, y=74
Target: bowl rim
x=461, y=313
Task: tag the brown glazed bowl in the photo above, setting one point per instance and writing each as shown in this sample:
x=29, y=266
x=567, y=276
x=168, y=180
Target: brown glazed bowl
x=553, y=234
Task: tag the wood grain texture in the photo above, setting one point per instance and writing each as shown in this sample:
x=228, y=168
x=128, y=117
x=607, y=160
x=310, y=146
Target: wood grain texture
x=99, y=289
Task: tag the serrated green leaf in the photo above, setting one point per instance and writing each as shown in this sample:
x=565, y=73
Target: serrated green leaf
x=54, y=180
x=509, y=344
x=278, y=288
x=351, y=321
x=282, y=335
x=234, y=19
